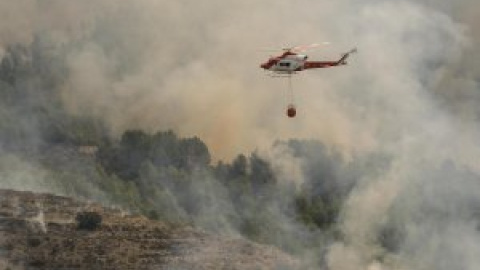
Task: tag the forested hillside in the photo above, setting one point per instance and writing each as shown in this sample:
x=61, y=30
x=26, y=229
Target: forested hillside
x=162, y=175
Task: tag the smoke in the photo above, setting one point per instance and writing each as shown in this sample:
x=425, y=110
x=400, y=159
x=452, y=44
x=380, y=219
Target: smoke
x=156, y=65
x=411, y=92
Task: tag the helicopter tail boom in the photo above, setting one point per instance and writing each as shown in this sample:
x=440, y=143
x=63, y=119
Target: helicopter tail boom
x=326, y=64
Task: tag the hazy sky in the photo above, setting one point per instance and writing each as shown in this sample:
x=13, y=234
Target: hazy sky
x=194, y=67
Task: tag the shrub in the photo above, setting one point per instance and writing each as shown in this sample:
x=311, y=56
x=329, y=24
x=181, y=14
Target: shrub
x=88, y=221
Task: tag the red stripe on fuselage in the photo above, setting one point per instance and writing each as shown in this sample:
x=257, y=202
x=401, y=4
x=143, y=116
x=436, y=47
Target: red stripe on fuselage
x=319, y=64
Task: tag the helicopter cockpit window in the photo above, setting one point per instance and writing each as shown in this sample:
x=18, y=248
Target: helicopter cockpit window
x=284, y=64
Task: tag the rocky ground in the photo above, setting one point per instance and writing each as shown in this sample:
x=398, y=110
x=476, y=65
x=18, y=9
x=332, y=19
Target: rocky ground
x=40, y=231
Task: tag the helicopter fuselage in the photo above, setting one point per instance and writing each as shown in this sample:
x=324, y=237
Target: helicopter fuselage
x=286, y=63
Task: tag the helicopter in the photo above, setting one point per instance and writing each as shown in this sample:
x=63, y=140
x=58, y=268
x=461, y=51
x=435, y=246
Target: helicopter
x=292, y=61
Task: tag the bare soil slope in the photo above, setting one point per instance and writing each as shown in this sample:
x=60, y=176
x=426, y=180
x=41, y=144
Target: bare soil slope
x=39, y=231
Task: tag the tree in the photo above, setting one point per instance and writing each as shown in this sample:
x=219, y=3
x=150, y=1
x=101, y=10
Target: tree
x=239, y=167
x=193, y=153
x=132, y=152
x=261, y=172
x=164, y=149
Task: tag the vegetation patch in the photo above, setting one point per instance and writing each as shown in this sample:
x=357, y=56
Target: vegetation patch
x=88, y=221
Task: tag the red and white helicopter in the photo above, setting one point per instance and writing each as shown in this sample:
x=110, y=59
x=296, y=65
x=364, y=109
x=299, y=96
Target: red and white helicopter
x=292, y=61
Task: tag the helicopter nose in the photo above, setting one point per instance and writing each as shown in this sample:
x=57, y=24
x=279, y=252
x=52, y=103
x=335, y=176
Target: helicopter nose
x=264, y=65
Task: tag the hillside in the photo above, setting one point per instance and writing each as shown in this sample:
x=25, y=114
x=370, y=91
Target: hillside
x=40, y=231
x=288, y=195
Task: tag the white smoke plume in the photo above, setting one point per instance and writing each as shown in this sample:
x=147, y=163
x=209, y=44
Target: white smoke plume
x=411, y=91
x=194, y=67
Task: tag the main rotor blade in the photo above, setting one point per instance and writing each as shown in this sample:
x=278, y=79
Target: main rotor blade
x=304, y=48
